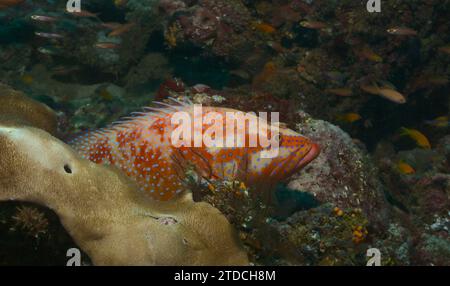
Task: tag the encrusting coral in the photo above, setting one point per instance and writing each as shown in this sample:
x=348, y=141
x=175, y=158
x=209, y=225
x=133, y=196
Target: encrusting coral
x=104, y=213
x=32, y=113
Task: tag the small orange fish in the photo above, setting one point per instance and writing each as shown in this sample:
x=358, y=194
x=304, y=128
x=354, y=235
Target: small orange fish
x=84, y=14
x=143, y=149
x=27, y=79
x=340, y=91
x=426, y=81
x=276, y=47
x=265, y=28
x=107, y=45
x=370, y=55
x=315, y=25
x=120, y=3
x=9, y=3
x=441, y=122
x=371, y=89
x=349, y=117
x=402, y=31
x=120, y=30
x=111, y=25
x=438, y=80
x=63, y=70
x=445, y=49
x=392, y=95
x=385, y=92
x=420, y=139
x=105, y=94
x=267, y=72
x=405, y=168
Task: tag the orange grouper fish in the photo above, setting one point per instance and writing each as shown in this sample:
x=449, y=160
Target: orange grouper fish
x=143, y=147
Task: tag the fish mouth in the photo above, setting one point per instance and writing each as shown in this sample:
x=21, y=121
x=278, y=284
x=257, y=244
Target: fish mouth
x=312, y=154
x=285, y=170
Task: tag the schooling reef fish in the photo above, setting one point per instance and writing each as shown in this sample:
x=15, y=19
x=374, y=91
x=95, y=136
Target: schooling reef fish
x=9, y=3
x=49, y=35
x=142, y=148
x=84, y=14
x=107, y=45
x=445, y=49
x=48, y=51
x=121, y=30
x=264, y=28
x=441, y=121
x=340, y=91
x=43, y=18
x=405, y=168
x=420, y=139
x=386, y=92
x=315, y=25
x=370, y=55
x=349, y=117
x=402, y=31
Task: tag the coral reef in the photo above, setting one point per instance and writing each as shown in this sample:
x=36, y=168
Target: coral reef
x=322, y=236
x=152, y=68
x=103, y=211
x=33, y=235
x=14, y=105
x=340, y=190
x=321, y=64
x=108, y=218
x=424, y=197
x=215, y=25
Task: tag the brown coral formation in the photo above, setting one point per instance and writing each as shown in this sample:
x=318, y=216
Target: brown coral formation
x=101, y=209
x=16, y=108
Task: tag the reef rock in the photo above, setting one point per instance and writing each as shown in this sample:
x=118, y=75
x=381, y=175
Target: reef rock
x=426, y=192
x=344, y=205
x=423, y=199
x=343, y=174
x=16, y=108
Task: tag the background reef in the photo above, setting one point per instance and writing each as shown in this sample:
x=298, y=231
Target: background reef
x=321, y=63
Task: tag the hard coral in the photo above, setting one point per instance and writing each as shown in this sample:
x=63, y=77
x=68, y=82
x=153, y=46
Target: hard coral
x=103, y=211
x=15, y=108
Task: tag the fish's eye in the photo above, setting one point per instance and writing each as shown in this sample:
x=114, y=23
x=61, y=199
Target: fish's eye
x=278, y=138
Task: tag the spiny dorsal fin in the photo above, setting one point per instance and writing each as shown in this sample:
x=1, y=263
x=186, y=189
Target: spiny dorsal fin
x=148, y=114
